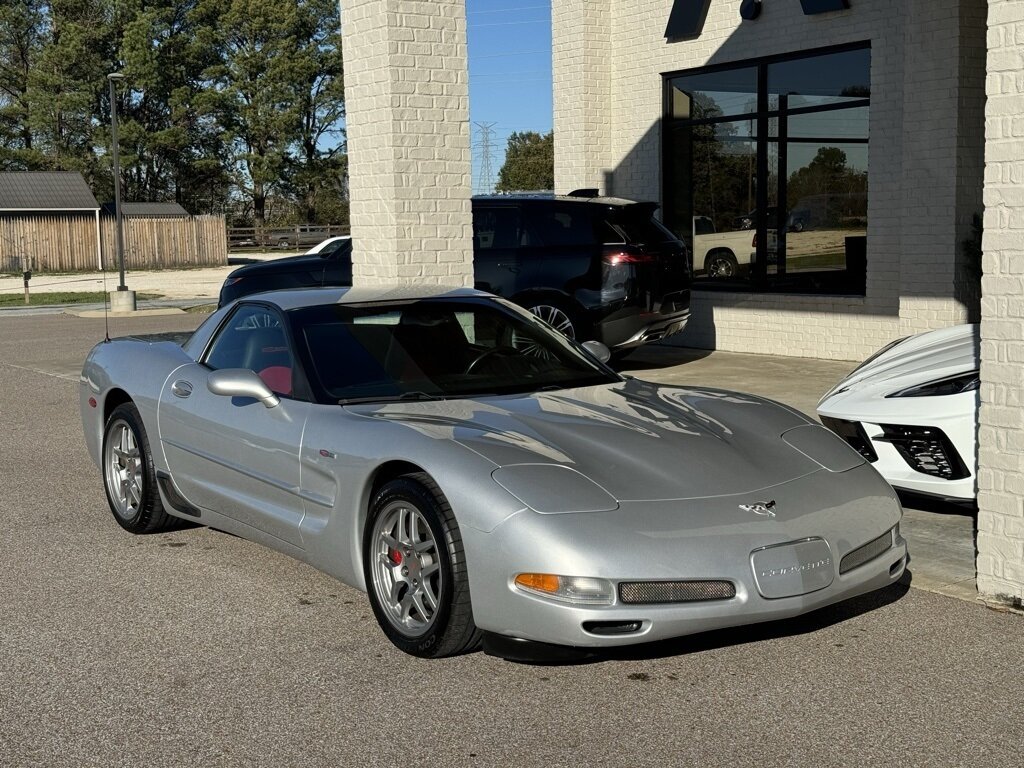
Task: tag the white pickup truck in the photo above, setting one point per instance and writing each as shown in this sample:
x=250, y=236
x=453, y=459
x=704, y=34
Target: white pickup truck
x=721, y=254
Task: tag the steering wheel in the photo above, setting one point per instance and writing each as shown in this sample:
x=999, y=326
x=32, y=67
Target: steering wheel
x=488, y=353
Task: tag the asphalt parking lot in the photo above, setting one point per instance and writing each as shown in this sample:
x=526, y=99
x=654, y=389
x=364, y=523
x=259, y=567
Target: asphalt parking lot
x=198, y=648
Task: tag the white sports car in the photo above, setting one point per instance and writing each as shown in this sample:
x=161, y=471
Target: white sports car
x=911, y=409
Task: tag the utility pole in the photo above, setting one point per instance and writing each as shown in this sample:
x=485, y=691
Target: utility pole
x=486, y=181
x=121, y=300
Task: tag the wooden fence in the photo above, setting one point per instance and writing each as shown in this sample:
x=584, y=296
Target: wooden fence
x=67, y=242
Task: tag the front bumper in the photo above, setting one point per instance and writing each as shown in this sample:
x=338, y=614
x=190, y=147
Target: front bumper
x=658, y=541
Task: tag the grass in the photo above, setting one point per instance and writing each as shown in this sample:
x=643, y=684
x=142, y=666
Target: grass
x=12, y=299
x=203, y=309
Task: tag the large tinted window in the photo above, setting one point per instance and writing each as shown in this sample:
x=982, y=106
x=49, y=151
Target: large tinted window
x=766, y=171
x=436, y=348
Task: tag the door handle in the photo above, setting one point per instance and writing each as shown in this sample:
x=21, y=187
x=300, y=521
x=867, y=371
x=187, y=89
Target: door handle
x=181, y=388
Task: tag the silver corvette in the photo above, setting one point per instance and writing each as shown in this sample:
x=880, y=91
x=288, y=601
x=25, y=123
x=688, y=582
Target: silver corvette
x=482, y=477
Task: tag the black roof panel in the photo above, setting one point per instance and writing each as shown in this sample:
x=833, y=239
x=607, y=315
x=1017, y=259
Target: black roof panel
x=45, y=191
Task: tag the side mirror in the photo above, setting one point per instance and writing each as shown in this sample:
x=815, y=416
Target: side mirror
x=241, y=382
x=598, y=350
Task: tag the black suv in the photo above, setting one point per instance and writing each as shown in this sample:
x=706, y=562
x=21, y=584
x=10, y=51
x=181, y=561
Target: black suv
x=592, y=267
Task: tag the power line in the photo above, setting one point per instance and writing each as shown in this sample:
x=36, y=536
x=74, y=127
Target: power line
x=513, y=53
x=509, y=23
x=511, y=10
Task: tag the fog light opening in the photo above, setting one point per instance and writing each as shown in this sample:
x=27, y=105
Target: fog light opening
x=606, y=628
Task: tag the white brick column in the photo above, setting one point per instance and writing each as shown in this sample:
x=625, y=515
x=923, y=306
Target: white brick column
x=581, y=53
x=942, y=156
x=1001, y=430
x=407, y=120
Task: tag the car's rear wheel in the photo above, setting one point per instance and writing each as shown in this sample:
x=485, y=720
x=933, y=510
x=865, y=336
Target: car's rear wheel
x=128, y=475
x=720, y=264
x=415, y=570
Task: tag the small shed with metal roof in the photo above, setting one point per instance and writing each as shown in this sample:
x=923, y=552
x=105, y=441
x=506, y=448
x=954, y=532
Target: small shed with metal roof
x=48, y=217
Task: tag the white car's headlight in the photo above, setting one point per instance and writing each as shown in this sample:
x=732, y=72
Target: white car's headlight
x=580, y=590
x=951, y=385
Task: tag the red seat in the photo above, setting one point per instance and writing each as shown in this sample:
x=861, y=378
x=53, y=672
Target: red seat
x=278, y=378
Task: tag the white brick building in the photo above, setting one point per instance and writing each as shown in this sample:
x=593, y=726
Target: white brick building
x=852, y=250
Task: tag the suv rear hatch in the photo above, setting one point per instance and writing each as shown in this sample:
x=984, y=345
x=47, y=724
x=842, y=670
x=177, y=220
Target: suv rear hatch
x=650, y=265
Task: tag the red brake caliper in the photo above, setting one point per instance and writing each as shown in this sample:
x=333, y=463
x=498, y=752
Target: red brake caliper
x=395, y=556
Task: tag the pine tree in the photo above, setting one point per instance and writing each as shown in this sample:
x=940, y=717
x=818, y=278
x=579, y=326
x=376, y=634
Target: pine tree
x=529, y=163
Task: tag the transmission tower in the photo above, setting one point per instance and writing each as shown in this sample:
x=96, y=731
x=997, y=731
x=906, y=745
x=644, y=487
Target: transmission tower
x=486, y=181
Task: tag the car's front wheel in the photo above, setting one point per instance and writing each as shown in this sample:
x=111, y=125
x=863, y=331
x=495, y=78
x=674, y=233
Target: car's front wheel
x=415, y=570
x=128, y=475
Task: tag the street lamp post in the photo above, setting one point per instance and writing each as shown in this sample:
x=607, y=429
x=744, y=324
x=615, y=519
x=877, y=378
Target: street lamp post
x=122, y=299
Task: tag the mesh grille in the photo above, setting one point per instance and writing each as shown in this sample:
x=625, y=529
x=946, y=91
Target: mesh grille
x=867, y=553
x=927, y=450
x=636, y=592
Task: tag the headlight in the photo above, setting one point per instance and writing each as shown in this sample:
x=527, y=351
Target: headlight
x=581, y=590
x=952, y=385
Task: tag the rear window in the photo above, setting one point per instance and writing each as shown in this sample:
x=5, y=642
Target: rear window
x=640, y=227
x=561, y=225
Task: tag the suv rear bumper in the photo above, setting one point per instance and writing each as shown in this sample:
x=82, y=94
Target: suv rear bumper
x=632, y=326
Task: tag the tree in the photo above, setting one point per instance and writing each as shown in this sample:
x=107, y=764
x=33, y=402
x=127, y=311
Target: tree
x=172, y=151
x=252, y=95
x=529, y=162
x=317, y=165
x=23, y=29
x=64, y=86
x=221, y=100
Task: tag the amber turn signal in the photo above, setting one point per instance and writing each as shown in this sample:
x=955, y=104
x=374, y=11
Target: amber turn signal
x=542, y=582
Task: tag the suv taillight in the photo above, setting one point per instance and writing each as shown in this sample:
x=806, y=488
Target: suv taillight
x=616, y=255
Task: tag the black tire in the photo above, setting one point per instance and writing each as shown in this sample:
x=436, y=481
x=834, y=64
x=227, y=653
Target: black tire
x=449, y=630
x=720, y=264
x=141, y=510
x=560, y=316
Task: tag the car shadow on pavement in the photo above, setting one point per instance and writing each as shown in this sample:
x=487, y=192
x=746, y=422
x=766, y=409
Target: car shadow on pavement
x=753, y=633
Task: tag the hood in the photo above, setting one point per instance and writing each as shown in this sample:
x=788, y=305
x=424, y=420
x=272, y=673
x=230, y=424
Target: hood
x=916, y=360
x=636, y=440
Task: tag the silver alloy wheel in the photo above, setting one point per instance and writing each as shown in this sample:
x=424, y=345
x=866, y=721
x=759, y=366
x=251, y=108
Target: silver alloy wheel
x=556, y=318
x=124, y=470
x=406, y=567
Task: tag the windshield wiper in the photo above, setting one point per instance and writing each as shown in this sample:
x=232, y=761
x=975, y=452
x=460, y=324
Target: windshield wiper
x=405, y=396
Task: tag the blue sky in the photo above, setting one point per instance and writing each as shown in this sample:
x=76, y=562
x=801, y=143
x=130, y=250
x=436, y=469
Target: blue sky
x=509, y=73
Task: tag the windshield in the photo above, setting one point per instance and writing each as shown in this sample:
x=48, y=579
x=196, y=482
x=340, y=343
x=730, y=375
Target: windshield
x=436, y=348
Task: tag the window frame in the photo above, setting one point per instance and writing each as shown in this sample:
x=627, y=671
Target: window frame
x=300, y=387
x=759, y=280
